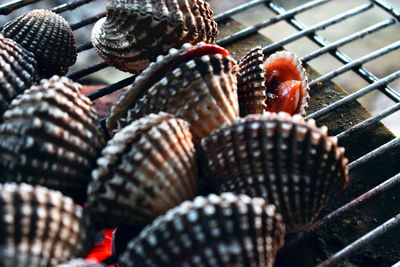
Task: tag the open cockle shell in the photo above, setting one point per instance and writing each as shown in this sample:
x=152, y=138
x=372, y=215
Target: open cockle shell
x=40, y=227
x=48, y=36
x=135, y=32
x=285, y=160
x=196, y=83
x=280, y=80
x=145, y=169
x=225, y=230
x=17, y=71
x=52, y=137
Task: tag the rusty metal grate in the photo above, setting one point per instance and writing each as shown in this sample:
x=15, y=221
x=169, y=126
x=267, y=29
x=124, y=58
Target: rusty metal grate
x=371, y=155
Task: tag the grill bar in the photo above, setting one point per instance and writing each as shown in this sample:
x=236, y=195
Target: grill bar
x=363, y=73
x=348, y=39
x=224, y=15
x=382, y=82
x=373, y=154
x=322, y=25
x=250, y=30
x=369, y=121
x=383, y=228
x=356, y=63
x=111, y=88
x=87, y=21
x=388, y=8
x=70, y=5
x=84, y=72
x=85, y=46
x=9, y=7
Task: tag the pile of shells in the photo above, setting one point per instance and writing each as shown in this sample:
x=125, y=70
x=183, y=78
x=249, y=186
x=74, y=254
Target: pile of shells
x=135, y=32
x=286, y=160
x=196, y=83
x=40, y=227
x=225, y=230
x=145, y=169
x=17, y=71
x=48, y=36
x=188, y=97
x=52, y=137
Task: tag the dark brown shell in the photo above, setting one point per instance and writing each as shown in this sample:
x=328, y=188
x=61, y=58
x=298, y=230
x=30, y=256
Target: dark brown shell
x=202, y=91
x=17, y=71
x=285, y=160
x=254, y=89
x=251, y=83
x=40, y=227
x=135, y=32
x=51, y=136
x=226, y=230
x=48, y=36
x=146, y=168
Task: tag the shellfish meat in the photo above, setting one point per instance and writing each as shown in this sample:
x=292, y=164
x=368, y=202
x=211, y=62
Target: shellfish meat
x=286, y=160
x=196, y=83
x=51, y=136
x=135, y=32
x=145, y=169
x=40, y=227
x=17, y=71
x=48, y=36
x=226, y=230
x=276, y=84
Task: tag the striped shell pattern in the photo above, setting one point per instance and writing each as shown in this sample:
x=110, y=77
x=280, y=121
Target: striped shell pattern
x=225, y=230
x=146, y=168
x=52, y=137
x=286, y=160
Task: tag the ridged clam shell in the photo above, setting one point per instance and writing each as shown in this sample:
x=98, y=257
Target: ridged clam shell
x=17, y=71
x=201, y=90
x=40, y=227
x=145, y=169
x=51, y=136
x=48, y=36
x=285, y=160
x=81, y=263
x=226, y=230
x=254, y=90
x=251, y=83
x=135, y=32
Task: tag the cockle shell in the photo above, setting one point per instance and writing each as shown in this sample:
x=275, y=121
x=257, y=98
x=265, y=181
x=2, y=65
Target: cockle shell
x=145, y=169
x=278, y=83
x=196, y=83
x=51, y=136
x=48, y=36
x=135, y=32
x=285, y=160
x=17, y=71
x=226, y=230
x=40, y=227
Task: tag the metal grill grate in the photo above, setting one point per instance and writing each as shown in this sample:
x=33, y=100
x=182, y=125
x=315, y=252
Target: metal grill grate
x=371, y=155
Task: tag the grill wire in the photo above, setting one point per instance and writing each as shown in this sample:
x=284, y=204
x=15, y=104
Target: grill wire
x=375, y=84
